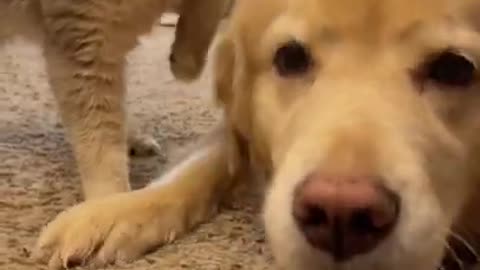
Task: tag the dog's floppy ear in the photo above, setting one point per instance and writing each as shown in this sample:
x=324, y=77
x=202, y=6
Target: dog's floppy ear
x=233, y=95
x=231, y=85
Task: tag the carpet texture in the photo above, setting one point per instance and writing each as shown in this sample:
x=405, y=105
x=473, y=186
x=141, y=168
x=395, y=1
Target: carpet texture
x=38, y=178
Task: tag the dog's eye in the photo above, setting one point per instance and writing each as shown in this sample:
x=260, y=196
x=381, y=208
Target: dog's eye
x=451, y=69
x=291, y=59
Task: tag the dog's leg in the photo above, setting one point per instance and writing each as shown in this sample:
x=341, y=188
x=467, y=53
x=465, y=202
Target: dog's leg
x=90, y=96
x=195, y=31
x=124, y=226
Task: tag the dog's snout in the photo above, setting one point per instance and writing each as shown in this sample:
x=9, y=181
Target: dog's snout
x=344, y=217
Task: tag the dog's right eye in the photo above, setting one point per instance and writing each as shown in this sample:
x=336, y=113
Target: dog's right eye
x=292, y=59
x=451, y=69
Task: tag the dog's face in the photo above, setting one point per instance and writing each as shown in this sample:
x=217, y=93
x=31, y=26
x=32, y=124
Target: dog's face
x=367, y=114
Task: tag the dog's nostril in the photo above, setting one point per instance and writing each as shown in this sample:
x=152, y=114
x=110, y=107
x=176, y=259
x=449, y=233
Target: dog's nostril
x=171, y=58
x=361, y=222
x=369, y=221
x=316, y=216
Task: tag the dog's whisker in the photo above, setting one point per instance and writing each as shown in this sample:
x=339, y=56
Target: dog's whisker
x=464, y=242
x=454, y=255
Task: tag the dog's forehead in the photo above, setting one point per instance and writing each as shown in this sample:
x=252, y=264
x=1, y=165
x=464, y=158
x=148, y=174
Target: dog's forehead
x=348, y=17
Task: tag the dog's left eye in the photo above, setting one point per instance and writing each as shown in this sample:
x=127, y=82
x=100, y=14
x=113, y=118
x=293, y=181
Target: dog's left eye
x=292, y=58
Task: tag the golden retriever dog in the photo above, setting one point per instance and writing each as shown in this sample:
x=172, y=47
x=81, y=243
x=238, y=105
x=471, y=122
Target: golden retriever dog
x=85, y=44
x=364, y=117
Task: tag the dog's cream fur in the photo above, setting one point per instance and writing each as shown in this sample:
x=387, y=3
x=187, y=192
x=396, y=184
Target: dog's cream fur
x=85, y=47
x=358, y=110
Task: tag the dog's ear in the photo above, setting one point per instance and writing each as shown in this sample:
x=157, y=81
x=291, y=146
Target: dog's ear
x=231, y=85
x=232, y=96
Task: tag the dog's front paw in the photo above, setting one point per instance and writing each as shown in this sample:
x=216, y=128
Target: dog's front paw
x=119, y=228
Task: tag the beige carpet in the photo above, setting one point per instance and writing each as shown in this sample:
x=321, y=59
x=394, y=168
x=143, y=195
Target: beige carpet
x=38, y=177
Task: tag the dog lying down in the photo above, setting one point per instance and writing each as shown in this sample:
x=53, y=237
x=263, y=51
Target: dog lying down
x=364, y=115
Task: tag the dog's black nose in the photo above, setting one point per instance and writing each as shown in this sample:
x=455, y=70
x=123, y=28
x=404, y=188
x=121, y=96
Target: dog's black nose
x=344, y=217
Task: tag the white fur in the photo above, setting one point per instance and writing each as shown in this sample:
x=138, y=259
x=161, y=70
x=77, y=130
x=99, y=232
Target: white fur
x=175, y=172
